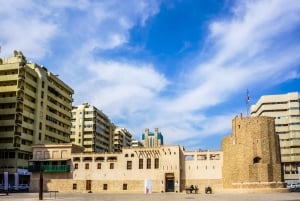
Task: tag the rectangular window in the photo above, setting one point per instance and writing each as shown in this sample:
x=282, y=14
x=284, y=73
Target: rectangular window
x=148, y=163
x=124, y=186
x=129, y=165
x=111, y=166
x=156, y=163
x=141, y=163
x=76, y=166
x=104, y=186
x=99, y=166
x=87, y=166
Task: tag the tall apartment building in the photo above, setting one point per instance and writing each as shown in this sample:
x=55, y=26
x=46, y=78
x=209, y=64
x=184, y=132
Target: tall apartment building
x=150, y=139
x=35, y=108
x=285, y=108
x=121, y=138
x=91, y=128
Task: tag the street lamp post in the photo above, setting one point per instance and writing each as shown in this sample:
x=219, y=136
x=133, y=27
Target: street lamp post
x=41, y=186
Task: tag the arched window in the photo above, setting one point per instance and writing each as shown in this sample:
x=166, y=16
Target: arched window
x=256, y=160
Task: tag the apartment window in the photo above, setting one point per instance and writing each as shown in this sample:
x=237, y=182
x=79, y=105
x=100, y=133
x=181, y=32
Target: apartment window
x=104, y=186
x=129, y=165
x=76, y=166
x=148, y=163
x=124, y=186
x=99, y=166
x=156, y=163
x=87, y=166
x=20, y=156
x=111, y=166
x=141, y=163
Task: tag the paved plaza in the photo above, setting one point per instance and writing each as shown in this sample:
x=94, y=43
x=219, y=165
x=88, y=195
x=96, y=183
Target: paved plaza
x=287, y=196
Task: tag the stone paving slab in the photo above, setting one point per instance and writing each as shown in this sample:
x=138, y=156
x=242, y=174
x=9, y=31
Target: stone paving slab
x=287, y=196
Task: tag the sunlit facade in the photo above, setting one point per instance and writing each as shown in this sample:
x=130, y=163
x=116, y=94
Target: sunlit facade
x=35, y=108
x=285, y=108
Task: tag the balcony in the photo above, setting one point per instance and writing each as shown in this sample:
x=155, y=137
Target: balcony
x=18, y=133
x=20, y=99
x=22, y=77
x=56, y=168
x=49, y=168
x=19, y=110
x=18, y=121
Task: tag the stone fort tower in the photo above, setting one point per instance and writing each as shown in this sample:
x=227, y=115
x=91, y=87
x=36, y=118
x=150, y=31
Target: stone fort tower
x=251, y=154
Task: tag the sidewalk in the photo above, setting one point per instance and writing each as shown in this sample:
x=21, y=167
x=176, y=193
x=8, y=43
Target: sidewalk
x=155, y=197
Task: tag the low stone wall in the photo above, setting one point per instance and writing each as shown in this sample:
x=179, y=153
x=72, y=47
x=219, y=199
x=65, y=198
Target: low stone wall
x=97, y=186
x=258, y=185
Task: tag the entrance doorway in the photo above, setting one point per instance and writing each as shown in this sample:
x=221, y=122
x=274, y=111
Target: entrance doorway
x=88, y=185
x=169, y=182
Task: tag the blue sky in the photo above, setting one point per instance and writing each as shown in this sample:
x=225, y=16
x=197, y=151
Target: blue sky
x=182, y=66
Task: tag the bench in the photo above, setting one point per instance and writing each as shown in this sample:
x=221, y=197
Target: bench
x=54, y=192
x=191, y=190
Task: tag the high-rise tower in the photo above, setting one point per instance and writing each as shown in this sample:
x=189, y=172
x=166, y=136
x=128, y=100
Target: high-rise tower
x=35, y=108
x=285, y=108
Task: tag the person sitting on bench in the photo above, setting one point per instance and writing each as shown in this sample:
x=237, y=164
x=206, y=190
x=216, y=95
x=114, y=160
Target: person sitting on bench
x=192, y=188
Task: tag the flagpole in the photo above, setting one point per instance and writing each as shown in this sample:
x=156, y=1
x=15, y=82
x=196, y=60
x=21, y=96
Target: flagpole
x=247, y=102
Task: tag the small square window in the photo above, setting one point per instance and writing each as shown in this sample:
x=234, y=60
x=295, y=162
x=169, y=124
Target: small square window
x=140, y=163
x=111, y=166
x=87, y=166
x=99, y=166
x=129, y=165
x=76, y=166
x=124, y=186
x=148, y=163
x=156, y=163
x=104, y=186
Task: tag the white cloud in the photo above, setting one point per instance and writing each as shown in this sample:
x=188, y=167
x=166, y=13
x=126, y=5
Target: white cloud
x=254, y=46
x=25, y=29
x=244, y=54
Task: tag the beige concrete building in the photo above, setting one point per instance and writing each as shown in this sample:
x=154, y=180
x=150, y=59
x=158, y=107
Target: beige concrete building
x=91, y=128
x=251, y=154
x=165, y=169
x=251, y=160
x=35, y=107
x=121, y=138
x=286, y=110
x=203, y=168
x=136, y=143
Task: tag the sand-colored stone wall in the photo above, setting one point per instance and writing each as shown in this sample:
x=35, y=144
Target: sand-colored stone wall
x=251, y=154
